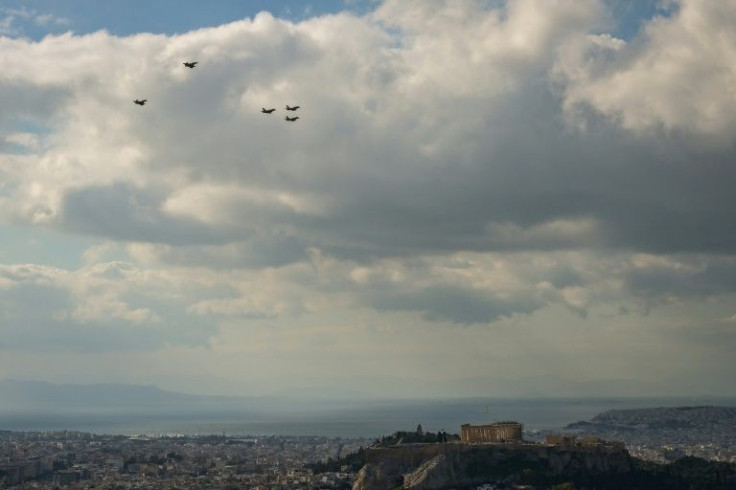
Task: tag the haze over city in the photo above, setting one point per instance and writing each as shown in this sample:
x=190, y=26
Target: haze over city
x=480, y=197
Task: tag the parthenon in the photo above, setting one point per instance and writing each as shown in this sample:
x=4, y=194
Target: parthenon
x=496, y=432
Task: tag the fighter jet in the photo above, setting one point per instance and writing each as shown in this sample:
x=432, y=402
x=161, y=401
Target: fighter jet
x=291, y=119
x=267, y=111
x=190, y=64
x=292, y=108
x=140, y=102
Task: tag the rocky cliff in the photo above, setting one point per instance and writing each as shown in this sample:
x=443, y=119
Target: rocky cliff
x=445, y=466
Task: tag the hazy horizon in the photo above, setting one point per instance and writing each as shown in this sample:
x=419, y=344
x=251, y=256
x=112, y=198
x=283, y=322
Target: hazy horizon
x=50, y=392
x=515, y=198
x=130, y=409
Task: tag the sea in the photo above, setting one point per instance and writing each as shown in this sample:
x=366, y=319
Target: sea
x=330, y=418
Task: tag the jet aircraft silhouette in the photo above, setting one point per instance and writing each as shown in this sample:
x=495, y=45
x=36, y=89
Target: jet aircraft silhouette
x=291, y=119
x=292, y=108
x=267, y=111
x=190, y=64
x=140, y=102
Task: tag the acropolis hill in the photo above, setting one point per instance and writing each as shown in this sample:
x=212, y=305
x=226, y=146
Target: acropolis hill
x=486, y=453
x=462, y=465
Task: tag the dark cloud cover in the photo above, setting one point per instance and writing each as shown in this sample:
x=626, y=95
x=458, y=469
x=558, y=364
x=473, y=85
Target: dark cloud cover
x=441, y=303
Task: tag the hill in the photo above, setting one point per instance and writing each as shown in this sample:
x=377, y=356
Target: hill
x=685, y=426
x=466, y=466
x=701, y=417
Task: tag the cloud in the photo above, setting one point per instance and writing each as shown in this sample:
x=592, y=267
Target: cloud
x=462, y=162
x=181, y=303
x=676, y=76
x=122, y=212
x=678, y=278
x=105, y=307
x=413, y=138
x=456, y=305
x=16, y=21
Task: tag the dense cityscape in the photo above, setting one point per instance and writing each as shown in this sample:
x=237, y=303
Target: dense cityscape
x=82, y=460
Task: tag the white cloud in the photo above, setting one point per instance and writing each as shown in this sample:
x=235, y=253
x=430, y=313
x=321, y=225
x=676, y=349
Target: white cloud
x=678, y=75
x=103, y=307
x=223, y=204
x=13, y=21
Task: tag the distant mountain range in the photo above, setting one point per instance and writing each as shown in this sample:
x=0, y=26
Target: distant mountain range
x=16, y=394
x=42, y=396
x=23, y=394
x=662, y=418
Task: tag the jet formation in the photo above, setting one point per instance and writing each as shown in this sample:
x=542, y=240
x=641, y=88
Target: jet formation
x=288, y=108
x=192, y=64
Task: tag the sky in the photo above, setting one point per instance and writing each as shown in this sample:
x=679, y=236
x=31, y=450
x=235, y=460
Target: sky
x=480, y=198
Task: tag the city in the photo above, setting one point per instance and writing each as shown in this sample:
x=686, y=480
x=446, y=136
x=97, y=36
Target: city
x=81, y=460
